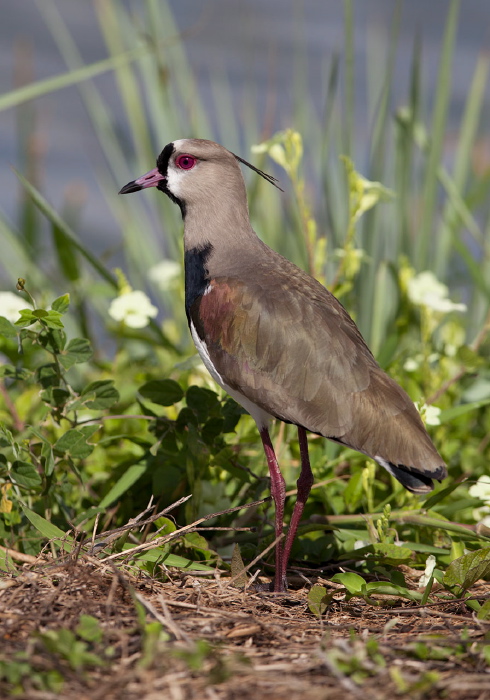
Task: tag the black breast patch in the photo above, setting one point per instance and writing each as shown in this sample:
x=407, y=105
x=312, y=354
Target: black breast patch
x=196, y=274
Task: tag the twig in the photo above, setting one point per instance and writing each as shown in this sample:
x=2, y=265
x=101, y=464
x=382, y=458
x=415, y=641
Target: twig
x=165, y=621
x=96, y=525
x=109, y=535
x=183, y=530
x=20, y=556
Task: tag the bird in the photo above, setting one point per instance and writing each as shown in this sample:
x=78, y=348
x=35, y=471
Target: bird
x=277, y=340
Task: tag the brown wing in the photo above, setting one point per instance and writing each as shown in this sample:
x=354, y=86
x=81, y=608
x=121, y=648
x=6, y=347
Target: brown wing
x=290, y=347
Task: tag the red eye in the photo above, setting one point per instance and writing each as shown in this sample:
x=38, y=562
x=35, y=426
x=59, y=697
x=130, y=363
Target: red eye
x=185, y=162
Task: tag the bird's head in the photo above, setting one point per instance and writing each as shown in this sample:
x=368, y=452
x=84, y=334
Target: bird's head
x=196, y=173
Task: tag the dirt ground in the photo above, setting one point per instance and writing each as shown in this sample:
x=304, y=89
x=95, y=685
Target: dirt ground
x=191, y=637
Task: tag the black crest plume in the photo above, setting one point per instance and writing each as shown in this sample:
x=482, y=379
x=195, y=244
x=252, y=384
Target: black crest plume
x=269, y=178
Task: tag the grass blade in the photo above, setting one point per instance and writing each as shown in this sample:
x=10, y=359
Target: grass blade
x=65, y=231
x=14, y=98
x=437, y=130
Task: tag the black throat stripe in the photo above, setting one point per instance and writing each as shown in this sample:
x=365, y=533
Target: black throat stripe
x=196, y=274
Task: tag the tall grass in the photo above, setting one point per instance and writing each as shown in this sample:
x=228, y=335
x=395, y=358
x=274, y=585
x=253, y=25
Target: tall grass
x=436, y=210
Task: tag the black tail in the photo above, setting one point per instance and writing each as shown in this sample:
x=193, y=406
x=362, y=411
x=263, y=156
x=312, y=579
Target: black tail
x=416, y=482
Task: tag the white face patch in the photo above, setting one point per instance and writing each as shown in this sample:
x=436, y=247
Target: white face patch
x=174, y=174
x=174, y=180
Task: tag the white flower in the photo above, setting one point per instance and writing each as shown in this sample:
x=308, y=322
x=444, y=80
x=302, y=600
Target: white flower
x=133, y=308
x=165, y=274
x=11, y=305
x=426, y=290
x=411, y=365
x=432, y=414
x=429, y=414
x=481, y=489
x=430, y=565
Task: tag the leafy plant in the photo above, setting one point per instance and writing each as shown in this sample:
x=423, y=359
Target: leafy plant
x=99, y=416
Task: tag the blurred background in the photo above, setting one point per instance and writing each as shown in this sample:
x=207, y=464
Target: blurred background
x=93, y=91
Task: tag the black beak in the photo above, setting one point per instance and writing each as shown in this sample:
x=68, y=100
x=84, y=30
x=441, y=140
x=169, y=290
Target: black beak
x=130, y=187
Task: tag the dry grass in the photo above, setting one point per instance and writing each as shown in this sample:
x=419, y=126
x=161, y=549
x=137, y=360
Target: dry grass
x=256, y=645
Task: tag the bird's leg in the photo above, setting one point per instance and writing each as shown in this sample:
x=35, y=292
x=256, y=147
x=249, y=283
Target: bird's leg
x=278, y=492
x=304, y=484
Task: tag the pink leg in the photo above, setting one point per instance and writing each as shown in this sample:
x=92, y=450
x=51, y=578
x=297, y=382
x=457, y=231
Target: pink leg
x=304, y=484
x=278, y=492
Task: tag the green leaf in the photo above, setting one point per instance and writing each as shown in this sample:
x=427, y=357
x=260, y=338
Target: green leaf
x=58, y=396
x=384, y=552
x=156, y=555
x=67, y=255
x=47, y=529
x=439, y=496
x=61, y=304
x=392, y=554
x=211, y=429
x=77, y=351
x=469, y=358
x=484, y=612
x=197, y=542
x=27, y=318
x=6, y=561
x=232, y=413
x=100, y=394
x=354, y=583
x=48, y=455
x=6, y=437
x=53, y=340
x=167, y=524
x=52, y=320
x=47, y=375
x=383, y=588
x=129, y=477
x=14, y=372
x=25, y=474
x=74, y=442
x=204, y=402
x=462, y=573
x=164, y=392
x=7, y=329
x=427, y=591
x=89, y=628
x=319, y=600
x=353, y=491
x=457, y=411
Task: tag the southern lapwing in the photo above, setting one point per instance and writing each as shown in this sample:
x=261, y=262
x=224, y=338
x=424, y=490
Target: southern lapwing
x=276, y=340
